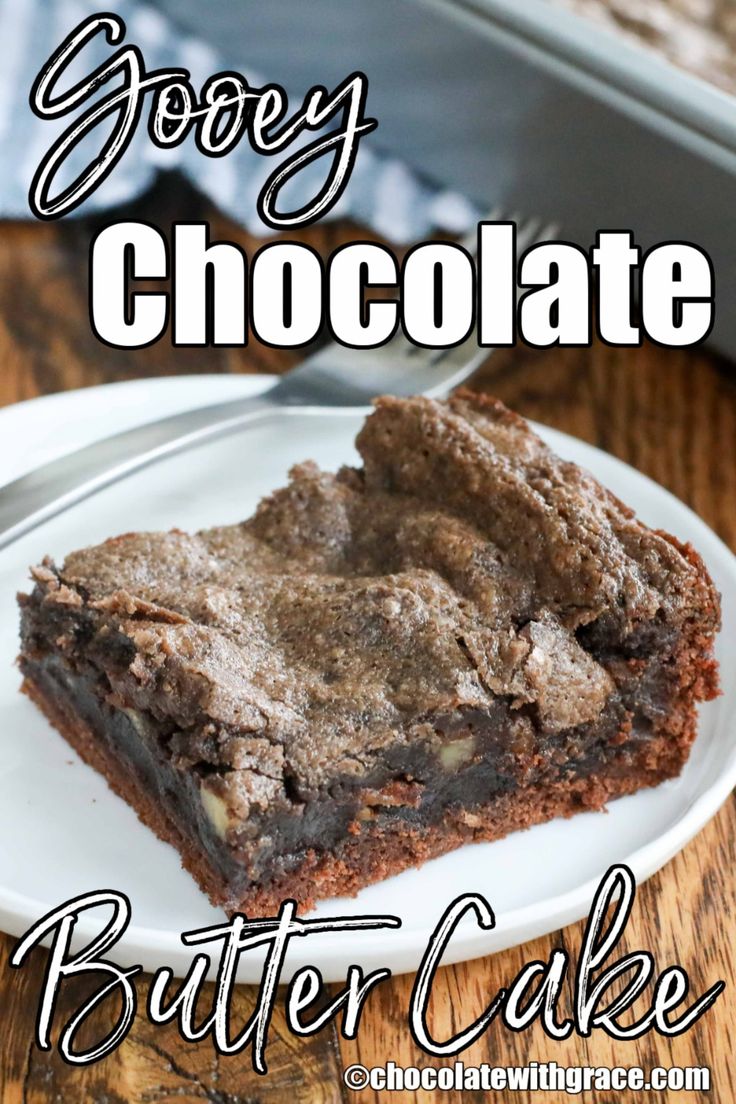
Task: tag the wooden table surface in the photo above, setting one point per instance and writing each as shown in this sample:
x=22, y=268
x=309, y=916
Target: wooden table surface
x=672, y=415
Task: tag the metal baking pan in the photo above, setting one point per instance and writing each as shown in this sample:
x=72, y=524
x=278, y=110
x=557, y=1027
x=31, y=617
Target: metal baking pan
x=516, y=102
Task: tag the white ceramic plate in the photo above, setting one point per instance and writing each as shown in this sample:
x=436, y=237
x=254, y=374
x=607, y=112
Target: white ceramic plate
x=65, y=833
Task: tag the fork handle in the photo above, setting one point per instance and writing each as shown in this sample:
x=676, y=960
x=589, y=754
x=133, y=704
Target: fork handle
x=47, y=490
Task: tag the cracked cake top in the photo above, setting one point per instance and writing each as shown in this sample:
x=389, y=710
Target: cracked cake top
x=463, y=563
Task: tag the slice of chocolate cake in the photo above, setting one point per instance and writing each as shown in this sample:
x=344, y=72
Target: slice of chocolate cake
x=463, y=637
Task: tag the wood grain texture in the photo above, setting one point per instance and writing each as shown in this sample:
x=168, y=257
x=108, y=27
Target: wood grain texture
x=670, y=414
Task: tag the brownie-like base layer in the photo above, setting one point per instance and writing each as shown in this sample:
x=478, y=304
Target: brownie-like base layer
x=371, y=851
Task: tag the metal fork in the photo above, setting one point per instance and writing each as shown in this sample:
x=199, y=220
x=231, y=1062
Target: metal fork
x=333, y=379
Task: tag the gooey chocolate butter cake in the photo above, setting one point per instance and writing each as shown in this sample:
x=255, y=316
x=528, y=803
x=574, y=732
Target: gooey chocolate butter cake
x=463, y=637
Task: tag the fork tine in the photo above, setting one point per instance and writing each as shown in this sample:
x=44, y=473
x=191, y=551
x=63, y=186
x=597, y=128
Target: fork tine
x=533, y=232
x=469, y=241
x=526, y=234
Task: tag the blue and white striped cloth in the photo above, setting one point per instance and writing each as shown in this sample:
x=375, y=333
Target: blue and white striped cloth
x=382, y=193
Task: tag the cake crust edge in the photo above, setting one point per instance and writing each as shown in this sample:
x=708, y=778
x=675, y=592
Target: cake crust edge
x=370, y=854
